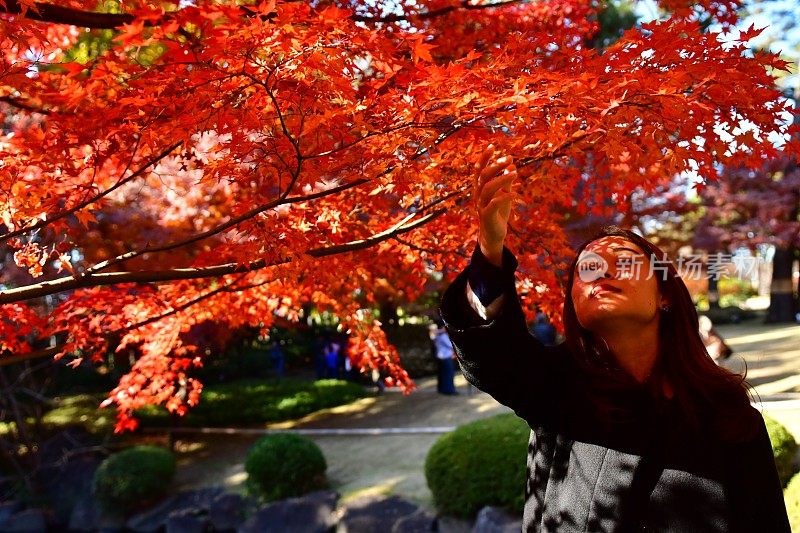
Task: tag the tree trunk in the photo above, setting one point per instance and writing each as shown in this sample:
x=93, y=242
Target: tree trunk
x=389, y=317
x=781, y=298
x=796, y=288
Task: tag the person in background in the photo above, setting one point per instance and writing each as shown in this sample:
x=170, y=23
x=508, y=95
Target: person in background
x=278, y=358
x=445, y=383
x=346, y=368
x=332, y=349
x=319, y=346
x=713, y=341
x=543, y=330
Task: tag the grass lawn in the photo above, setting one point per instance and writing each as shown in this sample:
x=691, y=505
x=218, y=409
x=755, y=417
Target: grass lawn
x=239, y=403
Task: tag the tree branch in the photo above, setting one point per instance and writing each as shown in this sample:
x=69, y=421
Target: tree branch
x=89, y=19
x=281, y=200
x=81, y=205
x=70, y=283
x=430, y=250
x=222, y=227
x=65, y=15
x=37, y=354
x=13, y=102
x=186, y=305
x=49, y=352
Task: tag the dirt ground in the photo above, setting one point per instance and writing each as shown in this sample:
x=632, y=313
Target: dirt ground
x=393, y=463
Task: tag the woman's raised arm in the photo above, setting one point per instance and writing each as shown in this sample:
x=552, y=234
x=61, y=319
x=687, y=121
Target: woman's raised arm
x=482, y=313
x=493, y=199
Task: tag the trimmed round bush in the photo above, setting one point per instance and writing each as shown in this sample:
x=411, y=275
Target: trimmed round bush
x=480, y=463
x=784, y=448
x=792, y=498
x=133, y=477
x=284, y=465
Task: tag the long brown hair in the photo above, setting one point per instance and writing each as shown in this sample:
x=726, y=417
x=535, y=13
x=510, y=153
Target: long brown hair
x=704, y=392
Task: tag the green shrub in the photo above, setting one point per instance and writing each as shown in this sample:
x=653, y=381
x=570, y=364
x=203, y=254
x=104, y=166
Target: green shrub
x=284, y=465
x=480, y=463
x=133, y=477
x=792, y=498
x=784, y=448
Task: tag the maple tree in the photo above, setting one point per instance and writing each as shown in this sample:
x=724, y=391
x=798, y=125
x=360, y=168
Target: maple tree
x=167, y=163
x=753, y=207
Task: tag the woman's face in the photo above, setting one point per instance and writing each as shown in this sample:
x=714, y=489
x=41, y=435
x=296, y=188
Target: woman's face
x=614, y=285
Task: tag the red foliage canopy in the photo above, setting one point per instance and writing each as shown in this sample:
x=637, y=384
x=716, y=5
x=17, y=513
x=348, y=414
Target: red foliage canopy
x=226, y=161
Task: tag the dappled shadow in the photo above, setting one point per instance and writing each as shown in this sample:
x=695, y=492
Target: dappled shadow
x=768, y=377
x=684, y=491
x=205, y=460
x=770, y=353
x=579, y=486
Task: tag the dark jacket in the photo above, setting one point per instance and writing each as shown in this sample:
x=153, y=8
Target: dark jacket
x=646, y=471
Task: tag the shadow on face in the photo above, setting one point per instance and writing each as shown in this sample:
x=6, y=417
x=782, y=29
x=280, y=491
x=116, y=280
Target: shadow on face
x=614, y=286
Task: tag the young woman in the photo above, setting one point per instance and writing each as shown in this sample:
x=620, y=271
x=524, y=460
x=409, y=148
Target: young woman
x=633, y=425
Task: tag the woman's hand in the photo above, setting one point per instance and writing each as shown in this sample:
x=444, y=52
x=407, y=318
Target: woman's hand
x=494, y=198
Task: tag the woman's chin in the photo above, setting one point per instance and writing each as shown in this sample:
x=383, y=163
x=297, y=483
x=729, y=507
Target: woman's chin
x=600, y=316
x=596, y=322
x=607, y=318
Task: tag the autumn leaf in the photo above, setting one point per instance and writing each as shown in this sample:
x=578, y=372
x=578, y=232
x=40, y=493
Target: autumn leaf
x=420, y=51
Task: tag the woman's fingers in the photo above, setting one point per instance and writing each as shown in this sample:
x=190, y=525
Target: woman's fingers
x=495, y=219
x=495, y=168
x=502, y=182
x=483, y=160
x=500, y=201
x=488, y=166
x=494, y=198
x=487, y=153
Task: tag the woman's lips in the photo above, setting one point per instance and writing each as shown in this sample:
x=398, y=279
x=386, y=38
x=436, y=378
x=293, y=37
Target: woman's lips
x=603, y=287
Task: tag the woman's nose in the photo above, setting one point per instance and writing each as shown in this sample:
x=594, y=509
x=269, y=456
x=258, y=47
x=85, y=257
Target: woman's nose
x=610, y=272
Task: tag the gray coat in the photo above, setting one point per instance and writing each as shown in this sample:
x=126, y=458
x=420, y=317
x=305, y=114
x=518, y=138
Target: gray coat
x=647, y=471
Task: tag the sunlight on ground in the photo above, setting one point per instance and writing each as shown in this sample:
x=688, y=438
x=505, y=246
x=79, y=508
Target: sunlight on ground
x=235, y=480
x=357, y=406
x=788, y=384
x=772, y=334
x=769, y=354
x=480, y=405
x=381, y=489
x=185, y=446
